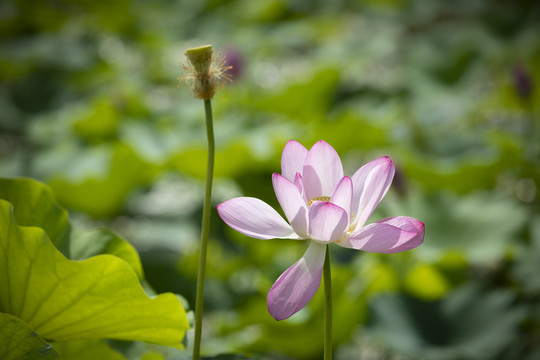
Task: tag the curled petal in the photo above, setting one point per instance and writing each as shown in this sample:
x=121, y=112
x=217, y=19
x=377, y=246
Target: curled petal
x=390, y=235
x=327, y=221
x=297, y=285
x=342, y=196
x=322, y=170
x=370, y=183
x=293, y=204
x=253, y=217
x=292, y=159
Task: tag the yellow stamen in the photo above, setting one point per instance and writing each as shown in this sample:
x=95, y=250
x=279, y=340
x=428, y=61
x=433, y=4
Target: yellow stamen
x=319, y=198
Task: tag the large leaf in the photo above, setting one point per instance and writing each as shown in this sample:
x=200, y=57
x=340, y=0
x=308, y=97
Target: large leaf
x=61, y=299
x=85, y=244
x=87, y=350
x=19, y=342
x=35, y=206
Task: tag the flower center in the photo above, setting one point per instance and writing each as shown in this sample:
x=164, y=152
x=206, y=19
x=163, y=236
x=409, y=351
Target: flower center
x=319, y=198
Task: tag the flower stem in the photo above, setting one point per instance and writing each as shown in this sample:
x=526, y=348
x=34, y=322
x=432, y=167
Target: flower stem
x=328, y=307
x=204, y=231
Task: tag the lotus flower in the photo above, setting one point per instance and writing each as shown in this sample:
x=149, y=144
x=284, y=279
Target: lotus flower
x=322, y=206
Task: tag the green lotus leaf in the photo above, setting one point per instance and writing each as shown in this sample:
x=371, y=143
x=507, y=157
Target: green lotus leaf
x=63, y=300
x=19, y=341
x=87, y=350
x=34, y=205
x=85, y=244
x=146, y=351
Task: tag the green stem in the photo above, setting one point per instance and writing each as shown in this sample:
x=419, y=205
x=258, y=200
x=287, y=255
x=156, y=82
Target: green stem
x=204, y=231
x=328, y=307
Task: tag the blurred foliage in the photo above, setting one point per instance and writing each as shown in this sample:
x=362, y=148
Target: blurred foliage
x=449, y=90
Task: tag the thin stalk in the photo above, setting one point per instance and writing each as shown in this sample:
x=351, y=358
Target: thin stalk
x=328, y=307
x=205, y=230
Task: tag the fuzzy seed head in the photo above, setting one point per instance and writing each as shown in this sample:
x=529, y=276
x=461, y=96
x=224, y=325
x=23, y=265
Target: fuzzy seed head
x=204, y=73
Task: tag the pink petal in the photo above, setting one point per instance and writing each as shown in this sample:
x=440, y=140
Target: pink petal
x=293, y=204
x=255, y=218
x=342, y=196
x=370, y=183
x=388, y=235
x=327, y=221
x=297, y=285
x=322, y=170
x=299, y=183
x=292, y=159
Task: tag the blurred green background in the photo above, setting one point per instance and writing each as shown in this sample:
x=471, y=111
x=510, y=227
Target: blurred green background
x=89, y=104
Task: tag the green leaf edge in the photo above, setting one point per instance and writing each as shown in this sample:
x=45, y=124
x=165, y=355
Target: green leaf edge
x=16, y=191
